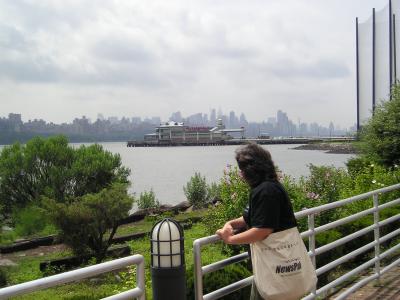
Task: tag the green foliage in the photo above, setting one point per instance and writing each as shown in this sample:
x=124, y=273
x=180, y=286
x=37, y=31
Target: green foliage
x=213, y=192
x=196, y=191
x=380, y=137
x=234, y=197
x=219, y=279
x=52, y=168
x=148, y=200
x=89, y=223
x=3, y=277
x=30, y=220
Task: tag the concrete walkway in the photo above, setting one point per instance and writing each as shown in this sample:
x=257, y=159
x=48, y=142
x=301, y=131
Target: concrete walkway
x=387, y=288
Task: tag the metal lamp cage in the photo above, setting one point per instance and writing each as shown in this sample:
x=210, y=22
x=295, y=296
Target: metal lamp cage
x=169, y=242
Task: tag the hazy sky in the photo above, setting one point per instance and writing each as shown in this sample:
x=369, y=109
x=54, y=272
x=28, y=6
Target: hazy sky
x=64, y=59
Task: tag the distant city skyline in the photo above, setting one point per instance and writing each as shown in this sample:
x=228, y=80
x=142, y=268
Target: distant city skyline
x=60, y=60
x=106, y=128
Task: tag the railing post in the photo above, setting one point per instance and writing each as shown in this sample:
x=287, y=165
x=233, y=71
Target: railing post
x=141, y=282
x=198, y=274
x=311, y=244
x=377, y=235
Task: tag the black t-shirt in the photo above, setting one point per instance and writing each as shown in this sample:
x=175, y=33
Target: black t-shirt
x=270, y=207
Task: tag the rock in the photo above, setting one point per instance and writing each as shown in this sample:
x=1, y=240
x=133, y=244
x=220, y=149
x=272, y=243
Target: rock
x=183, y=206
x=20, y=240
x=189, y=209
x=95, y=280
x=6, y=228
x=7, y=263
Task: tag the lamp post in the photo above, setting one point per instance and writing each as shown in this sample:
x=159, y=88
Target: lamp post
x=168, y=261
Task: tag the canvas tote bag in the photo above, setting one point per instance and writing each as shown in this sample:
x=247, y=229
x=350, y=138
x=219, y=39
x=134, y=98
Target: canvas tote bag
x=281, y=266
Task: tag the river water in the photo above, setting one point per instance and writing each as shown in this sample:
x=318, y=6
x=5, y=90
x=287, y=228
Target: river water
x=167, y=169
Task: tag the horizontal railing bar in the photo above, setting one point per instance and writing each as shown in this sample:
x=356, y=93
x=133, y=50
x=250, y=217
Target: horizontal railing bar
x=356, y=286
x=207, y=240
x=389, y=220
x=128, y=295
x=389, y=204
x=361, y=283
x=389, y=251
x=343, y=240
x=314, y=210
x=349, y=219
x=357, y=270
x=390, y=266
x=389, y=236
x=229, y=289
x=309, y=297
x=346, y=276
x=343, y=221
x=223, y=263
x=70, y=276
x=356, y=252
x=306, y=234
x=345, y=258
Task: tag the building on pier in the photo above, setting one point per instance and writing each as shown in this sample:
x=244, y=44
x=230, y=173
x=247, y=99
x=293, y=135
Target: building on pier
x=179, y=133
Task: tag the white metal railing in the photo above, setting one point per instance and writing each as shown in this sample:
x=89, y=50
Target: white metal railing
x=76, y=275
x=200, y=271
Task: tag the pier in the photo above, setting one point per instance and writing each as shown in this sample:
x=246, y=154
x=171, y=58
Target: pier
x=242, y=141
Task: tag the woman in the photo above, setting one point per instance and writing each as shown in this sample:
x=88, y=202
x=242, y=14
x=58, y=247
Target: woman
x=269, y=207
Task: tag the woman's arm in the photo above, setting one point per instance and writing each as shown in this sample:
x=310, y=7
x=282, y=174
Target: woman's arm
x=247, y=237
x=237, y=223
x=231, y=225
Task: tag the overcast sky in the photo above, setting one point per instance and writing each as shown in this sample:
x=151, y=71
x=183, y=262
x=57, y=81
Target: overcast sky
x=64, y=59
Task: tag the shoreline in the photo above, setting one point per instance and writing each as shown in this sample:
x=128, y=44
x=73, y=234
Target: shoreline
x=331, y=148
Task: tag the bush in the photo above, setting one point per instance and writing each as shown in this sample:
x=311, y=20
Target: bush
x=148, y=200
x=89, y=223
x=234, y=197
x=52, y=168
x=219, y=279
x=196, y=191
x=380, y=137
x=3, y=277
x=214, y=192
x=30, y=220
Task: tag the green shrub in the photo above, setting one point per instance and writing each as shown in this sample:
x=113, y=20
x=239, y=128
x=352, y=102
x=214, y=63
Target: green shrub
x=219, y=279
x=147, y=200
x=30, y=220
x=3, y=277
x=89, y=223
x=54, y=169
x=234, y=197
x=196, y=191
x=213, y=192
x=380, y=137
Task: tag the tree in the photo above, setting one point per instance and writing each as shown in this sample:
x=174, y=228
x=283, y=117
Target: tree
x=54, y=169
x=380, y=137
x=89, y=223
x=148, y=200
x=196, y=190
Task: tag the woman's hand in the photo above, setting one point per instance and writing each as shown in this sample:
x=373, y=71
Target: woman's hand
x=225, y=235
x=225, y=232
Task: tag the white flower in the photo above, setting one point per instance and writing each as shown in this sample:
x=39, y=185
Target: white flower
x=374, y=181
x=372, y=165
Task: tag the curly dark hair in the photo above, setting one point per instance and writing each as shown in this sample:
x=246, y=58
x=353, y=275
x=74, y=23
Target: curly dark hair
x=256, y=164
